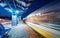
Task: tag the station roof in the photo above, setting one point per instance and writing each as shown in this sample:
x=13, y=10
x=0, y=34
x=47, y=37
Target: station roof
x=25, y=7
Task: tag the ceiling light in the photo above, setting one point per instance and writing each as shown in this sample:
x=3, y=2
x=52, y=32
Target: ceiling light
x=17, y=11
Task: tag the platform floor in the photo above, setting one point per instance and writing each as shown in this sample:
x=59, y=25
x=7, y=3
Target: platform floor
x=22, y=30
x=31, y=30
x=18, y=32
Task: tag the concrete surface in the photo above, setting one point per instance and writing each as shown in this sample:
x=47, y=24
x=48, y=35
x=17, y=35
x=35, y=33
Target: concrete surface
x=18, y=32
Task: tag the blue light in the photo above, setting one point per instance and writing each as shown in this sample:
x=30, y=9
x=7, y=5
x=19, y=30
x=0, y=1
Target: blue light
x=17, y=11
x=3, y=4
x=10, y=10
x=21, y=11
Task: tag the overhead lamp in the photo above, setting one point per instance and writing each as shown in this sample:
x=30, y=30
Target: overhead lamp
x=17, y=11
x=10, y=10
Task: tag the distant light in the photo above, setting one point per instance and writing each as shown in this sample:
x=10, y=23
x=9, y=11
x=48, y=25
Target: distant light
x=39, y=14
x=17, y=11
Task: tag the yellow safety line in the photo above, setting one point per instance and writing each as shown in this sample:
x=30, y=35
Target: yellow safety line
x=45, y=34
